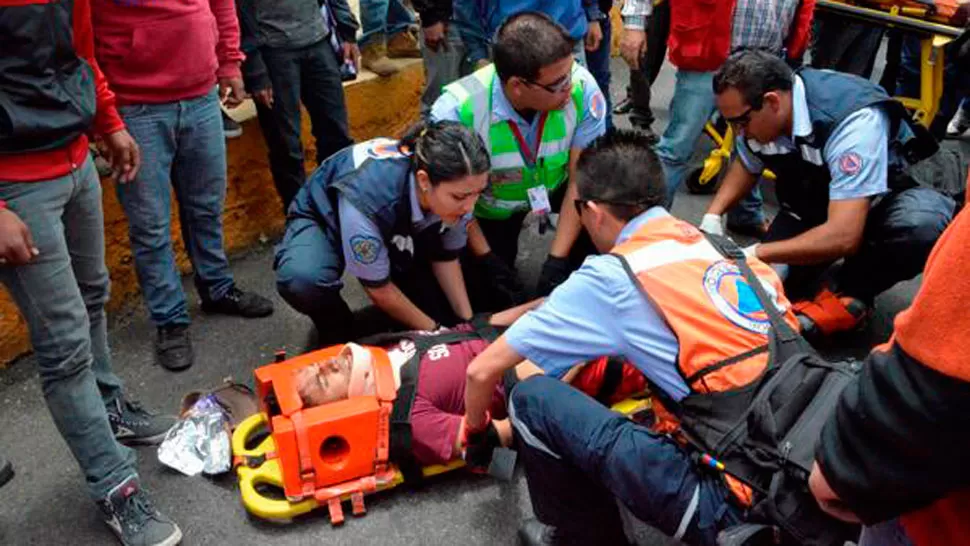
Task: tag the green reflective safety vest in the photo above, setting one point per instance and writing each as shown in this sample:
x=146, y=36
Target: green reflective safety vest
x=511, y=176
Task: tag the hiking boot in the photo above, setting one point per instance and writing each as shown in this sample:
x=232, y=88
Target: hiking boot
x=173, y=348
x=129, y=513
x=132, y=425
x=403, y=45
x=6, y=471
x=230, y=127
x=830, y=313
x=959, y=124
x=373, y=57
x=239, y=303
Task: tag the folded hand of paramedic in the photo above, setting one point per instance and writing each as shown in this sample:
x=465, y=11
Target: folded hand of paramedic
x=713, y=224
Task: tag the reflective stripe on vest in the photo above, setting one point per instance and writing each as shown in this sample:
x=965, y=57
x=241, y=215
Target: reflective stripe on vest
x=511, y=176
x=721, y=328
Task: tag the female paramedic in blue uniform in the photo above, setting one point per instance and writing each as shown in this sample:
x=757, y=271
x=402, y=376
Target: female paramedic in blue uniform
x=394, y=215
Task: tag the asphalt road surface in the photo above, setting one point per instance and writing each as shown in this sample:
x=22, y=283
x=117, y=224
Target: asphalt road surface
x=46, y=503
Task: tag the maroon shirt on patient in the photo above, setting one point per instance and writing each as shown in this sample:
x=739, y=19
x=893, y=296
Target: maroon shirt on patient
x=439, y=403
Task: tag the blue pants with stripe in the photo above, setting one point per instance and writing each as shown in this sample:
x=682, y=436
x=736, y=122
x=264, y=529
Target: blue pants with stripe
x=582, y=460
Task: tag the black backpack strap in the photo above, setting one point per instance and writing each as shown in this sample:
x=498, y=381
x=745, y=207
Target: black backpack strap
x=401, y=435
x=783, y=332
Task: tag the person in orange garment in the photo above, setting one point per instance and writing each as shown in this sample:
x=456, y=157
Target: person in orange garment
x=436, y=416
x=893, y=454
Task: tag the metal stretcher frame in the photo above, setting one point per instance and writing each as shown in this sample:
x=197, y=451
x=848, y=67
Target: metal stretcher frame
x=933, y=37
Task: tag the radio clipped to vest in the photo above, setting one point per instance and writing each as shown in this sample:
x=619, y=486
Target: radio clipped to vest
x=765, y=433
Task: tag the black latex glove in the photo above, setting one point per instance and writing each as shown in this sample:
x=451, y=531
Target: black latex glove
x=554, y=272
x=502, y=281
x=478, y=449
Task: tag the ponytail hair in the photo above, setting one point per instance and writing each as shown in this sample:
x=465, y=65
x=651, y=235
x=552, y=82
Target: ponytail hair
x=446, y=150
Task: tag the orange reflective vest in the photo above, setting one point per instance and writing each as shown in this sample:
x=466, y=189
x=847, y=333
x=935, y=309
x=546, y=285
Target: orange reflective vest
x=721, y=328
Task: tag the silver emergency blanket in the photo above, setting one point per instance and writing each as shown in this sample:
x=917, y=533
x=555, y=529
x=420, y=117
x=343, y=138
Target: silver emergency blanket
x=199, y=441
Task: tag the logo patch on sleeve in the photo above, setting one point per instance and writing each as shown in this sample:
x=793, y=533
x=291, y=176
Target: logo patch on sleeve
x=597, y=105
x=850, y=163
x=365, y=248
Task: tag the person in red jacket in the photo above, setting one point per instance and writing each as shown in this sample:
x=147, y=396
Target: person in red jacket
x=52, y=95
x=702, y=34
x=164, y=59
x=892, y=455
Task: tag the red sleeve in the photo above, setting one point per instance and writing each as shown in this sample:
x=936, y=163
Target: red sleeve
x=801, y=29
x=106, y=117
x=227, y=50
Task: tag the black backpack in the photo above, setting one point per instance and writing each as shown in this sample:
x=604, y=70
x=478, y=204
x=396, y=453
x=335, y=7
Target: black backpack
x=765, y=433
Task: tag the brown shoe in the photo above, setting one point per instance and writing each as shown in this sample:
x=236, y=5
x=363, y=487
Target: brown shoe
x=373, y=57
x=403, y=45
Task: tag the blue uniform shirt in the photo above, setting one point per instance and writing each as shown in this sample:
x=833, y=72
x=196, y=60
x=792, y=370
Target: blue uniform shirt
x=599, y=311
x=592, y=120
x=857, y=153
x=359, y=233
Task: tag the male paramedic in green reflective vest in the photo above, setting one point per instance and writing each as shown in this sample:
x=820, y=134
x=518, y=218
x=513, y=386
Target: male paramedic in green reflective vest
x=536, y=108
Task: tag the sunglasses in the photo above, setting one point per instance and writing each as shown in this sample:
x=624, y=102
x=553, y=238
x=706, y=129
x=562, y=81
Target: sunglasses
x=741, y=121
x=557, y=86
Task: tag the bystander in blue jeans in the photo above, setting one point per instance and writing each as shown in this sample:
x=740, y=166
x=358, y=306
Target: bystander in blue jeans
x=61, y=294
x=442, y=67
x=599, y=66
x=582, y=460
x=183, y=148
x=382, y=19
x=690, y=108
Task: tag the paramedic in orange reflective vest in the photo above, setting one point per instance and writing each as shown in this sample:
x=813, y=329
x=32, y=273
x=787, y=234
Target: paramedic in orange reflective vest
x=662, y=297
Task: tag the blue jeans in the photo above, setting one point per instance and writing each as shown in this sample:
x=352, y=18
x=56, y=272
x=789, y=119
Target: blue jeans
x=899, y=234
x=382, y=19
x=183, y=147
x=581, y=459
x=599, y=66
x=61, y=294
x=956, y=83
x=309, y=74
x=690, y=108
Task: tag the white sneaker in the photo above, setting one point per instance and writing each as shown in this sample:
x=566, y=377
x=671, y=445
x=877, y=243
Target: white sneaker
x=959, y=124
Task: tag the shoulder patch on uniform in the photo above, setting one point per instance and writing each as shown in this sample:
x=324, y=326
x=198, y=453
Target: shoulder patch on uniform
x=365, y=248
x=597, y=105
x=850, y=163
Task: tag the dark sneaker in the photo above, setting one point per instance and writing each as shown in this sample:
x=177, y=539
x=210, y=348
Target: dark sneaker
x=173, y=348
x=644, y=127
x=623, y=107
x=132, y=425
x=129, y=513
x=230, y=127
x=239, y=303
x=6, y=471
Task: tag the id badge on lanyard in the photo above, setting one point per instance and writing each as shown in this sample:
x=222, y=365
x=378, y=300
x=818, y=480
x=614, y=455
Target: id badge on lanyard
x=538, y=195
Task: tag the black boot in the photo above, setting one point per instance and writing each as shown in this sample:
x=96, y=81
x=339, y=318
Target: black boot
x=239, y=303
x=173, y=348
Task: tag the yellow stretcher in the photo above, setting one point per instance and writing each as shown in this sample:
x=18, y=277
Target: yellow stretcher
x=260, y=473
x=933, y=37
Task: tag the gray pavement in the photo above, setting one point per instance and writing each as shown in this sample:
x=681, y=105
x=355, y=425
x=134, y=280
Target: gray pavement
x=46, y=503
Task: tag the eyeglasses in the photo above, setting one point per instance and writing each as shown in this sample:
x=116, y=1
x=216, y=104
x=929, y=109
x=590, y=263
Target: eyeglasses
x=741, y=121
x=555, y=87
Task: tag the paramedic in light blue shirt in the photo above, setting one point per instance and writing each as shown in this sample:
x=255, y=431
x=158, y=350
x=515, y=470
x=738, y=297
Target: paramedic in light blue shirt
x=393, y=214
x=831, y=139
x=582, y=460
